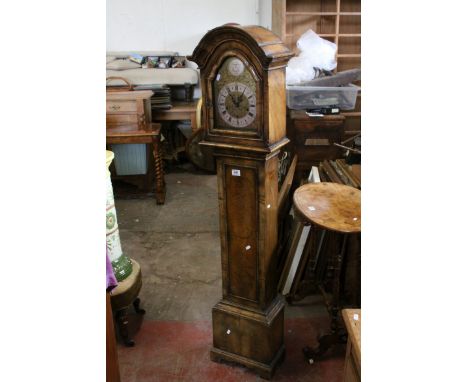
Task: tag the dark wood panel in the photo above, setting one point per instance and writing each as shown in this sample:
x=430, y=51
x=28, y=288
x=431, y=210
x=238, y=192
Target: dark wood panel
x=112, y=360
x=241, y=218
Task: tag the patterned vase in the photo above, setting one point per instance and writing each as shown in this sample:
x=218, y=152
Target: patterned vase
x=120, y=263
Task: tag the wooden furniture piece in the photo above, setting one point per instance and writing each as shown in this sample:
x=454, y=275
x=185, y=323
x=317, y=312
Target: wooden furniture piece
x=128, y=134
x=338, y=21
x=313, y=138
x=243, y=85
x=179, y=111
x=128, y=108
x=128, y=120
x=337, y=208
x=112, y=360
x=124, y=295
x=352, y=368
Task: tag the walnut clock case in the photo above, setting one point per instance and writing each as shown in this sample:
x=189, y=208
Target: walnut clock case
x=243, y=85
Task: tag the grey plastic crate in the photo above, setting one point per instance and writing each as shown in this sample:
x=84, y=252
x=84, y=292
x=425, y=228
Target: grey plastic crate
x=314, y=97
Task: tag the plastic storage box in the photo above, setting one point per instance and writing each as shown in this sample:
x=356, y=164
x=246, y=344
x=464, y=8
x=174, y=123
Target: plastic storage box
x=316, y=97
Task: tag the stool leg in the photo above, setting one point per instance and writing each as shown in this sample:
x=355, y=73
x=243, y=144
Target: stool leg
x=122, y=324
x=158, y=167
x=136, y=306
x=336, y=335
x=335, y=309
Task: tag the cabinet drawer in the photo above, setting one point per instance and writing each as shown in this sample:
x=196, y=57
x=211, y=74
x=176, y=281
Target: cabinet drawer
x=317, y=153
x=318, y=138
x=121, y=119
x=318, y=126
x=121, y=106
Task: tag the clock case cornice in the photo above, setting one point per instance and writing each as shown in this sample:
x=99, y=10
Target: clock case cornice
x=265, y=45
x=267, y=57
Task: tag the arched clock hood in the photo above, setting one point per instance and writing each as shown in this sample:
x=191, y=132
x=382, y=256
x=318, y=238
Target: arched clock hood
x=264, y=44
x=266, y=57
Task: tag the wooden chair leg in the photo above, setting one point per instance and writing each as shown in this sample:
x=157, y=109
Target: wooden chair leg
x=136, y=306
x=158, y=167
x=122, y=324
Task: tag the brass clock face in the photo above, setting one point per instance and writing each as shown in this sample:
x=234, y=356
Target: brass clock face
x=235, y=96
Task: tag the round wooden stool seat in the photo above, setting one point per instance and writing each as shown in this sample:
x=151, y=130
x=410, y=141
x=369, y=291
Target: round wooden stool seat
x=127, y=290
x=331, y=206
x=124, y=296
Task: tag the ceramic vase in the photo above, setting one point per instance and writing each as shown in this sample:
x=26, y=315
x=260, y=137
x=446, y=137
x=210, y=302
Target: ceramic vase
x=120, y=263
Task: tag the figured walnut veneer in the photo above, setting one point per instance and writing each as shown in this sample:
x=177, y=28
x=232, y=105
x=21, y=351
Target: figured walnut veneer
x=332, y=206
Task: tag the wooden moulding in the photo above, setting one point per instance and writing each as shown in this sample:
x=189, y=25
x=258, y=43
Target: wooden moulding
x=267, y=46
x=287, y=183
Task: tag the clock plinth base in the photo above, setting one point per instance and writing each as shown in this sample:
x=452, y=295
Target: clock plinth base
x=263, y=370
x=247, y=337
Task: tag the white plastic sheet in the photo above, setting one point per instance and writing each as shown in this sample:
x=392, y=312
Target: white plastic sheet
x=316, y=52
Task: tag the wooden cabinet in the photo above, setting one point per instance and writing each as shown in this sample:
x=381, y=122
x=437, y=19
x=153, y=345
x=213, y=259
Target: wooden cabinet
x=313, y=138
x=129, y=108
x=338, y=21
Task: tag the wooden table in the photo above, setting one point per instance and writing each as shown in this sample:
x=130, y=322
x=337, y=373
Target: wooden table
x=128, y=120
x=180, y=111
x=334, y=207
x=131, y=134
x=352, y=369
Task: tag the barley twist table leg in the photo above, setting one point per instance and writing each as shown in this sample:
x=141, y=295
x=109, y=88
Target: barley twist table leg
x=158, y=166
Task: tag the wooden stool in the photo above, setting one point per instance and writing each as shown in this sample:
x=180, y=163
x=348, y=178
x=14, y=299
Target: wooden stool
x=131, y=134
x=337, y=208
x=124, y=295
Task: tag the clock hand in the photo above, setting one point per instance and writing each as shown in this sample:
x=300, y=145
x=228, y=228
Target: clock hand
x=230, y=95
x=239, y=98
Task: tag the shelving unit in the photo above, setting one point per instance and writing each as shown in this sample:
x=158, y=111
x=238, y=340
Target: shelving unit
x=338, y=21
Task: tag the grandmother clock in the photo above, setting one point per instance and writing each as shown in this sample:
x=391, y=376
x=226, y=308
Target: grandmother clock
x=243, y=85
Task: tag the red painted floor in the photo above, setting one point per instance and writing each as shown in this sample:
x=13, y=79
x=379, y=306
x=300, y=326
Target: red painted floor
x=179, y=351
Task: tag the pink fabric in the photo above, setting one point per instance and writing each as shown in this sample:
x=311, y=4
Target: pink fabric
x=111, y=281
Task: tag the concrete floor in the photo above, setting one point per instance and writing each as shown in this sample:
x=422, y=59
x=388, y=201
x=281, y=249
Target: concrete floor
x=177, y=245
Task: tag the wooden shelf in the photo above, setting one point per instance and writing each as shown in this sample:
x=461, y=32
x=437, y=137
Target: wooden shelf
x=338, y=21
x=323, y=13
x=351, y=113
x=348, y=55
x=327, y=35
